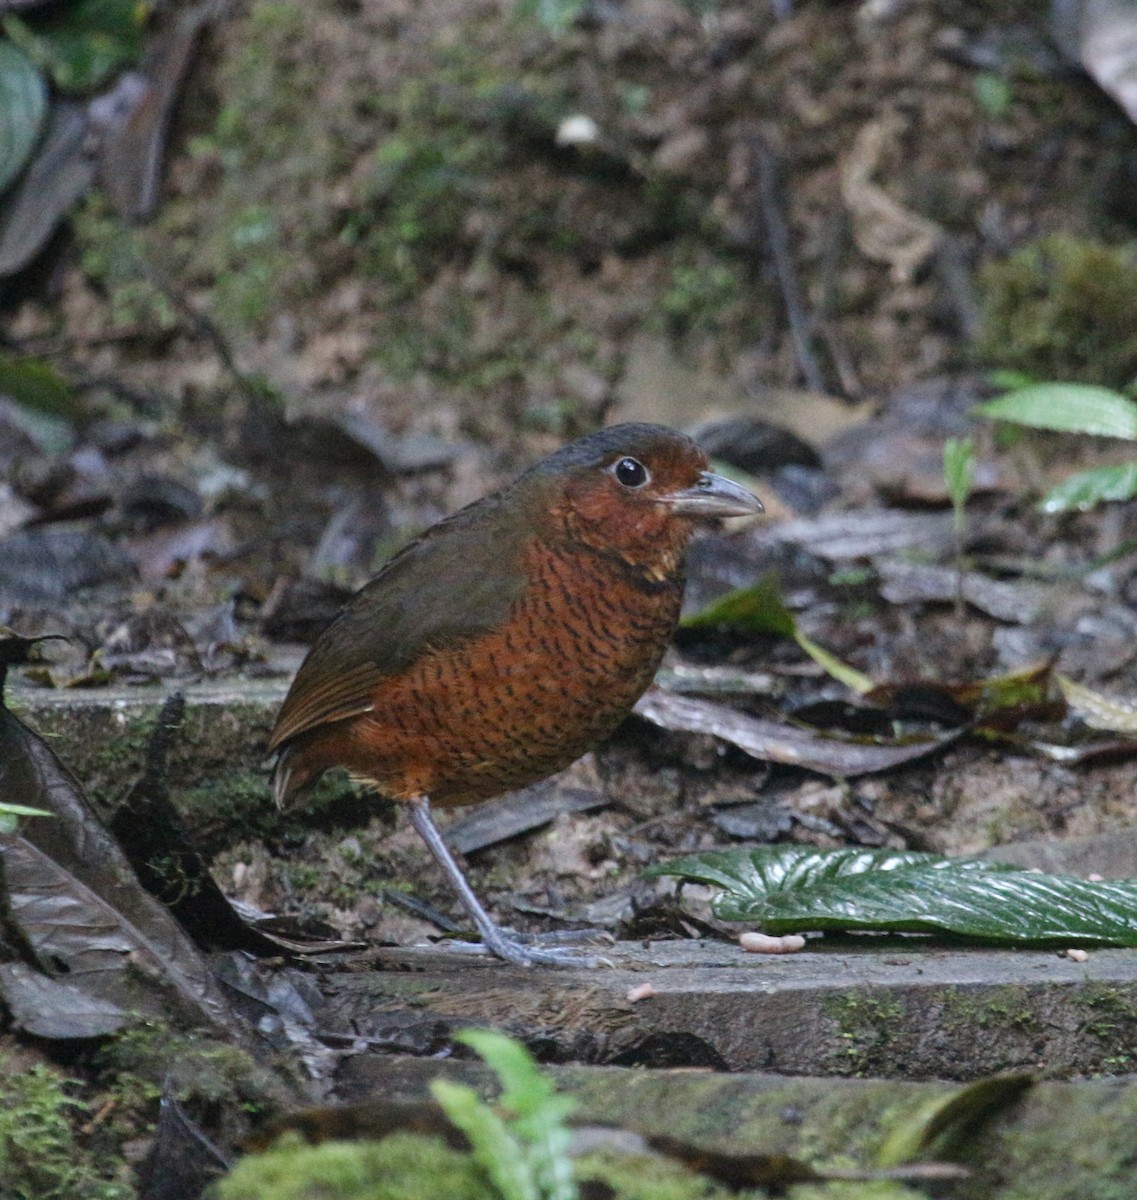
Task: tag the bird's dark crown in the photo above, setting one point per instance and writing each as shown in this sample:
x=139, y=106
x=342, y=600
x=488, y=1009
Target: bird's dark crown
x=636, y=438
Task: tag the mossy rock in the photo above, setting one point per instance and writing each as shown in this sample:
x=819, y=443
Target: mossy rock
x=1061, y=308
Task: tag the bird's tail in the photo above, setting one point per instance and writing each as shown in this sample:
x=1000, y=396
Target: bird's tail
x=288, y=781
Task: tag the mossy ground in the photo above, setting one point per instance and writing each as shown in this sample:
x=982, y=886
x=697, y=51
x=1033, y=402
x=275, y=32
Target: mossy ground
x=1061, y=308
x=43, y=1156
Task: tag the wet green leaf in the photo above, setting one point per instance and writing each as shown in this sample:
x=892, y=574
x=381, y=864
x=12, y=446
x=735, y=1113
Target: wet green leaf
x=33, y=383
x=792, y=889
x=23, y=108
x=1068, y=408
x=1087, y=489
x=80, y=45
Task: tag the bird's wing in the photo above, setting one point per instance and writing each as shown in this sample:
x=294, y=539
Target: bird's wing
x=455, y=582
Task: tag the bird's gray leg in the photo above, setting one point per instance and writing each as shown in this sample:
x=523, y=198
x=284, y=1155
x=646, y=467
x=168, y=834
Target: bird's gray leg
x=496, y=939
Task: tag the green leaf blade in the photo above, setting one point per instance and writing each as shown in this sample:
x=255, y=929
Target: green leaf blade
x=23, y=110
x=1087, y=489
x=82, y=44
x=795, y=889
x=756, y=609
x=1067, y=408
x=494, y=1147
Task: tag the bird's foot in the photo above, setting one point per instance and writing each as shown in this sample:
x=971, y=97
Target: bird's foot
x=568, y=937
x=521, y=950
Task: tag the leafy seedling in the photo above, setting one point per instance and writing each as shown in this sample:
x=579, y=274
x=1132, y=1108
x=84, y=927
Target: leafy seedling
x=1075, y=408
x=959, y=477
x=796, y=889
x=522, y=1141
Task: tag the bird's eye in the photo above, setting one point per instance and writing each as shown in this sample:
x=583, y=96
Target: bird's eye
x=631, y=473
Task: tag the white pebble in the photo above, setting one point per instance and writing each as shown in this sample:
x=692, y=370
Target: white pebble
x=763, y=943
x=1077, y=955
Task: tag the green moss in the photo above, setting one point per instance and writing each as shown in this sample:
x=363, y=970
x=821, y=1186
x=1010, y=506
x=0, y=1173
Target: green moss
x=704, y=294
x=116, y=259
x=1067, y=1144
x=867, y=1027
x=1111, y=1018
x=1062, y=308
x=278, y=148
x=989, y=1008
x=407, y=1167
x=401, y=1167
x=636, y=1178
x=137, y=1066
x=882, y=1189
x=40, y=1158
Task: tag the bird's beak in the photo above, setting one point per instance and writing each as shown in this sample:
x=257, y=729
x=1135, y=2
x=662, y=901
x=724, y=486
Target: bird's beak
x=712, y=496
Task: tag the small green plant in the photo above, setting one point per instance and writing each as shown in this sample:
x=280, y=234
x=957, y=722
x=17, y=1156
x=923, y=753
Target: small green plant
x=700, y=296
x=10, y=815
x=1075, y=408
x=521, y=1142
x=959, y=476
x=115, y=258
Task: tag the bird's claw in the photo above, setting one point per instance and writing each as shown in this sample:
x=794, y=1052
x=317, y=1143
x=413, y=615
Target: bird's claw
x=518, y=950
x=566, y=936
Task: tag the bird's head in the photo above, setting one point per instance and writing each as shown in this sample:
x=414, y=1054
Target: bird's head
x=637, y=491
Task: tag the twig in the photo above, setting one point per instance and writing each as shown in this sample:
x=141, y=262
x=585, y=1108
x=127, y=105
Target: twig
x=768, y=180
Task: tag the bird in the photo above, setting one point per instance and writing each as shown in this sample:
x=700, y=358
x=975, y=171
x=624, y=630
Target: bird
x=507, y=640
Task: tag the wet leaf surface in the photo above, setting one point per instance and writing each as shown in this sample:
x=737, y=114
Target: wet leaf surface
x=23, y=106
x=54, y=1008
x=75, y=897
x=789, y=889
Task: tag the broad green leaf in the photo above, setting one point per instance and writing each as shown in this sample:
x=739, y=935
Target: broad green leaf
x=23, y=108
x=1067, y=407
x=81, y=44
x=792, y=889
x=752, y=876
x=1087, y=489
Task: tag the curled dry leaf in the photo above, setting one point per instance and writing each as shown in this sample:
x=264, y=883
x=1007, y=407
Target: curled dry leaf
x=772, y=741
